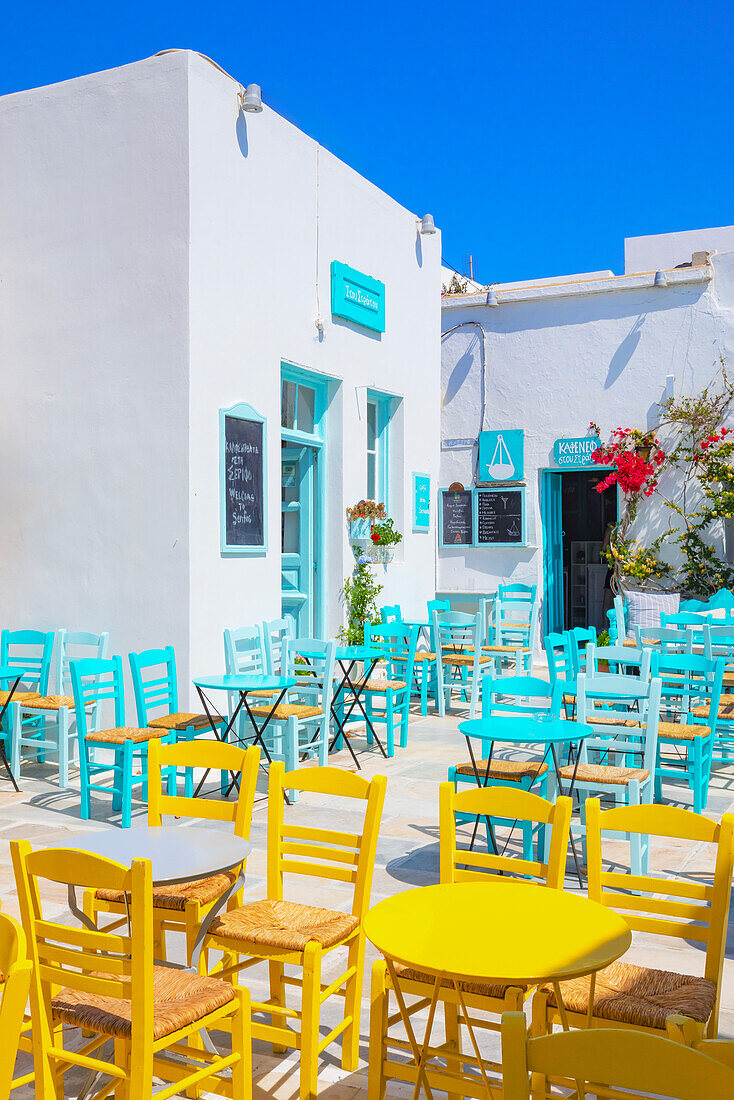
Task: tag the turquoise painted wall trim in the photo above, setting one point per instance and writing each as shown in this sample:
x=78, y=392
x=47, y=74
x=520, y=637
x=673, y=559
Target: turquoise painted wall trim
x=551, y=519
x=357, y=297
x=575, y=454
x=241, y=411
x=501, y=455
x=384, y=409
x=421, y=502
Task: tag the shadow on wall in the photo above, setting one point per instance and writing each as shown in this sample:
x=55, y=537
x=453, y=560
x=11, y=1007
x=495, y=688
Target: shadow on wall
x=624, y=352
x=460, y=373
x=241, y=130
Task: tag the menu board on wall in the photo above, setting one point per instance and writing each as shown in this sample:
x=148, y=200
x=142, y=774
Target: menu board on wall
x=457, y=518
x=500, y=517
x=242, y=480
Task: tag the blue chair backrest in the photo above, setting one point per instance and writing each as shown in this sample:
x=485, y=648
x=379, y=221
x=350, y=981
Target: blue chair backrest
x=688, y=681
x=669, y=639
x=435, y=605
x=97, y=680
x=519, y=593
x=558, y=650
x=605, y=695
x=391, y=613
x=581, y=637
x=72, y=645
x=398, y=643
x=29, y=652
x=520, y=695
x=244, y=651
x=154, y=682
x=453, y=630
x=620, y=659
x=315, y=674
x=724, y=598
x=274, y=633
x=684, y=618
x=718, y=641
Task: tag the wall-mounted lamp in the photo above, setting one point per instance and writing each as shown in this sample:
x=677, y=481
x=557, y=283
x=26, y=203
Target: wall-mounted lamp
x=426, y=225
x=252, y=99
x=661, y=279
x=492, y=299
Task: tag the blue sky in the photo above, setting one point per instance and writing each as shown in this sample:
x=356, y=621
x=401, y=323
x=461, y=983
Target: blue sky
x=538, y=135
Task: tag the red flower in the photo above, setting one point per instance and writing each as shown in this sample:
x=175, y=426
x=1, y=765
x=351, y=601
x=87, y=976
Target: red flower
x=704, y=445
x=375, y=536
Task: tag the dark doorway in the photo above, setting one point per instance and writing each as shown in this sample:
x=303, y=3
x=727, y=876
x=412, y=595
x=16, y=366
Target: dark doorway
x=585, y=517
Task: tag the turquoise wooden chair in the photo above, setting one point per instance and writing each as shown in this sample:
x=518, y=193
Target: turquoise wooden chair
x=299, y=727
x=44, y=723
x=391, y=613
x=621, y=660
x=426, y=673
x=27, y=652
x=562, y=667
x=459, y=656
x=100, y=680
x=617, y=763
x=581, y=638
x=691, y=696
x=718, y=641
x=155, y=686
x=514, y=627
x=273, y=633
x=397, y=642
x=668, y=639
x=513, y=696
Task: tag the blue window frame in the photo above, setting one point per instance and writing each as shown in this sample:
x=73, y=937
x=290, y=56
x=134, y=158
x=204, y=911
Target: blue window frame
x=379, y=411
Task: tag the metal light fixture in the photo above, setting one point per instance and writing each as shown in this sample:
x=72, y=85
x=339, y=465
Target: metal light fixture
x=661, y=279
x=492, y=299
x=426, y=224
x=252, y=99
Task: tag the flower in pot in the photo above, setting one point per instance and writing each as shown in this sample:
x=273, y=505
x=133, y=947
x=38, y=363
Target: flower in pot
x=385, y=538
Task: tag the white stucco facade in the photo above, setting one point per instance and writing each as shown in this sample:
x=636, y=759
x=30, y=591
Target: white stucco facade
x=553, y=356
x=161, y=255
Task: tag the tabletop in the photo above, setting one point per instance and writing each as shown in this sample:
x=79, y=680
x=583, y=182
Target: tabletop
x=529, y=730
x=244, y=682
x=177, y=853
x=497, y=931
x=9, y=673
x=358, y=653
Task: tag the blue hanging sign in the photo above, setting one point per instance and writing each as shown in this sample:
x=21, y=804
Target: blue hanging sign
x=421, y=502
x=576, y=452
x=357, y=297
x=501, y=455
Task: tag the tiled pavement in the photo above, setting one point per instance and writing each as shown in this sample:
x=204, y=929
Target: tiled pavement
x=407, y=857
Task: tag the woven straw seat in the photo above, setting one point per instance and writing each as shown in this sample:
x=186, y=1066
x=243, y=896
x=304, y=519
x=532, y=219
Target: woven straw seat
x=630, y=994
x=728, y=678
x=595, y=721
x=179, y=998
x=120, y=734
x=726, y=712
x=179, y=721
x=505, y=648
x=484, y=989
x=46, y=702
x=604, y=773
x=462, y=660
x=425, y=656
x=505, y=769
x=202, y=890
x=18, y=696
x=381, y=685
x=287, y=710
x=676, y=731
x=286, y=924
x=569, y=700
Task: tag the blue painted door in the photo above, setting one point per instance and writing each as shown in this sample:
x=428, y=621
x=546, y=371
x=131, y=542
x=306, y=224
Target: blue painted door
x=298, y=536
x=552, y=522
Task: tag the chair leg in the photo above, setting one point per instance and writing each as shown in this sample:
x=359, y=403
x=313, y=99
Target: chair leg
x=404, y=719
x=424, y=687
x=16, y=733
x=125, y=779
x=84, y=777
x=310, y=1004
x=277, y=996
x=62, y=732
x=324, y=735
x=453, y=1041
x=290, y=750
x=390, y=721
x=633, y=799
x=474, y=694
x=242, y=1046
x=378, y=1031
x=696, y=775
x=353, y=1005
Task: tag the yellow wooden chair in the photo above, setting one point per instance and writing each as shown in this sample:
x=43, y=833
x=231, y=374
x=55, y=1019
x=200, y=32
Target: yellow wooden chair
x=610, y=1064
x=289, y=933
x=630, y=996
x=683, y=1030
x=15, y=980
x=461, y=865
x=106, y=984
x=183, y=907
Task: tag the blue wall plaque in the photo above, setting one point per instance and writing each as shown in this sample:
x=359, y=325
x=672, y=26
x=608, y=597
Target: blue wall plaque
x=576, y=453
x=501, y=455
x=357, y=297
x=421, y=502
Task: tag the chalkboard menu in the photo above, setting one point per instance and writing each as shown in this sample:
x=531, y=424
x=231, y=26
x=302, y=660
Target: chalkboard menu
x=457, y=518
x=242, y=480
x=500, y=517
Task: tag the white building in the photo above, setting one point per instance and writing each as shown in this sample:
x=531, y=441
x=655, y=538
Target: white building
x=548, y=357
x=165, y=256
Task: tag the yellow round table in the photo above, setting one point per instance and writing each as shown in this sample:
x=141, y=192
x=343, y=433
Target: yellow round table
x=497, y=932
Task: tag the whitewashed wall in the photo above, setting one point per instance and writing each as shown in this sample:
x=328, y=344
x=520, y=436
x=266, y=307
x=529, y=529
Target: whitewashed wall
x=557, y=358
x=158, y=258
x=94, y=531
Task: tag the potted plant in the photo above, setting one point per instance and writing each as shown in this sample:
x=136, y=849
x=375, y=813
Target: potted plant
x=359, y=594
x=385, y=537
x=361, y=517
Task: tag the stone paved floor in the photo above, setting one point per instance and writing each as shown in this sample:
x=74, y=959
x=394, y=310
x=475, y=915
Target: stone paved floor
x=407, y=857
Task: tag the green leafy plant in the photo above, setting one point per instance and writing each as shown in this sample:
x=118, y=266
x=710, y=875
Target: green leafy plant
x=386, y=534
x=359, y=594
x=602, y=638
